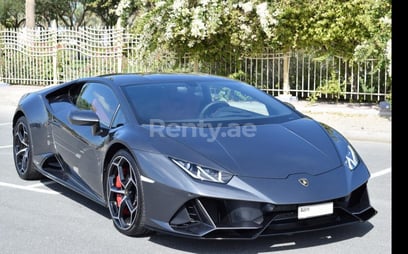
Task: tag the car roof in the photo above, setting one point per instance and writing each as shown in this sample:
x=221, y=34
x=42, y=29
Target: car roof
x=134, y=78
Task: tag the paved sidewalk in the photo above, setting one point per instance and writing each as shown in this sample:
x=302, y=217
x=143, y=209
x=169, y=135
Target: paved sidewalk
x=353, y=120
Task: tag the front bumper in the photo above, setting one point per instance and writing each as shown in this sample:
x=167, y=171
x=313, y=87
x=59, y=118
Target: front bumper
x=233, y=219
x=247, y=208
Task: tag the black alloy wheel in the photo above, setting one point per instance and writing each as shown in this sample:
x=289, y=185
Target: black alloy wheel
x=125, y=195
x=22, y=151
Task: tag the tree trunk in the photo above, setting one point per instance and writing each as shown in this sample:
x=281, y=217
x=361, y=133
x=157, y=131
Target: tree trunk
x=30, y=13
x=286, y=62
x=196, y=66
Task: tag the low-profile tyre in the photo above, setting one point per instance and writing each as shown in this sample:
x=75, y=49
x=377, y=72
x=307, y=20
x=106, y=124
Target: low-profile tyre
x=125, y=195
x=22, y=151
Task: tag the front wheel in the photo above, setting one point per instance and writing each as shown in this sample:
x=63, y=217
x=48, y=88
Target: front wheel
x=22, y=151
x=125, y=195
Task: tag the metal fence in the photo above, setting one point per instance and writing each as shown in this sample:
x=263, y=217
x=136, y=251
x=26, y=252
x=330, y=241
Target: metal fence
x=51, y=56
x=356, y=81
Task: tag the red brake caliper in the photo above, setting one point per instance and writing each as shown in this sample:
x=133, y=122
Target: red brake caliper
x=118, y=184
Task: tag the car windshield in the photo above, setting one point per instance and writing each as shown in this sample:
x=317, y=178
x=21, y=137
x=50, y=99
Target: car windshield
x=222, y=101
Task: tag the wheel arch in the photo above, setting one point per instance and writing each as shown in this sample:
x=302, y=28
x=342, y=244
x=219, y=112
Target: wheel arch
x=33, y=107
x=17, y=115
x=137, y=225
x=112, y=150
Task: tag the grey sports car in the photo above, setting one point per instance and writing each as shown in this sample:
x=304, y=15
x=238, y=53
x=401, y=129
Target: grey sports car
x=192, y=155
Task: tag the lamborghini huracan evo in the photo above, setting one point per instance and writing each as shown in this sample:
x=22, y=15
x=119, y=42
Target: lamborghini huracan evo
x=193, y=155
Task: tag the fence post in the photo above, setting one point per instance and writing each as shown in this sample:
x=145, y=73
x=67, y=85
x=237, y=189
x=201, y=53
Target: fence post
x=54, y=42
x=119, y=47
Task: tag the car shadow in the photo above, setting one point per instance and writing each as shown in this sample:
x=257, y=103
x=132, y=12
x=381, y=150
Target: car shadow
x=78, y=198
x=265, y=244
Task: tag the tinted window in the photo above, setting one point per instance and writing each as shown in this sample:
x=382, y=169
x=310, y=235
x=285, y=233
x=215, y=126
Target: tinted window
x=226, y=101
x=100, y=99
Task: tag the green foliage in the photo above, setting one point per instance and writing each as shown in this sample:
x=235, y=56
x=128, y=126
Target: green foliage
x=377, y=44
x=105, y=9
x=355, y=29
x=330, y=26
x=389, y=98
x=70, y=13
x=240, y=75
x=128, y=10
x=365, y=88
x=66, y=12
x=12, y=13
x=332, y=89
x=203, y=29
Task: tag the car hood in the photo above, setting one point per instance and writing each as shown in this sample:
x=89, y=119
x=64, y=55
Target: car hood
x=301, y=146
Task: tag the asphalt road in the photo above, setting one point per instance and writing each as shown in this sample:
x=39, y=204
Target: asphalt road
x=44, y=217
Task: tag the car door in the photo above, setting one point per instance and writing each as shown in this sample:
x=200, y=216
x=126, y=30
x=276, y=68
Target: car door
x=80, y=147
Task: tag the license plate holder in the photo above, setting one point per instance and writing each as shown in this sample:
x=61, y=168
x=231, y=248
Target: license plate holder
x=315, y=210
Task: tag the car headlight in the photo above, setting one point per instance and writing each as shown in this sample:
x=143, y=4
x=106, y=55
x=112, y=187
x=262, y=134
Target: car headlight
x=351, y=161
x=203, y=173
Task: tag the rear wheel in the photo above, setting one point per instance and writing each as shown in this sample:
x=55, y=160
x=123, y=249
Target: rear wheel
x=125, y=195
x=22, y=151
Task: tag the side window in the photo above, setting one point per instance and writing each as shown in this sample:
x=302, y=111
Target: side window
x=100, y=99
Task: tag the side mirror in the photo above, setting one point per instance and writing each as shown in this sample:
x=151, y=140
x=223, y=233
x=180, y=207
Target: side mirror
x=83, y=117
x=87, y=118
